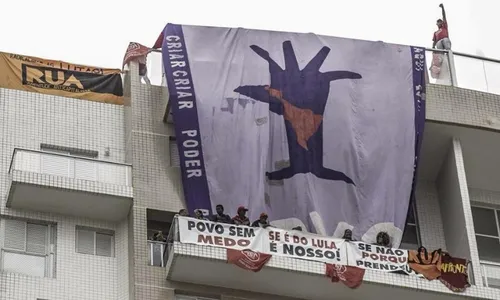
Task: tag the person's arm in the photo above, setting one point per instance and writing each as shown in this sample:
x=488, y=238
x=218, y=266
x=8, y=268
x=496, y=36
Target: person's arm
x=443, y=12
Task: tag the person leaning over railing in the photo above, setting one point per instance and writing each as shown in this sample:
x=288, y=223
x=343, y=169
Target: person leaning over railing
x=241, y=218
x=220, y=216
x=199, y=215
x=262, y=221
x=158, y=237
x=347, y=235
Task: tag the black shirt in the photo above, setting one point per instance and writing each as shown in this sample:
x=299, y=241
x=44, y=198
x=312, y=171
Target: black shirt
x=222, y=219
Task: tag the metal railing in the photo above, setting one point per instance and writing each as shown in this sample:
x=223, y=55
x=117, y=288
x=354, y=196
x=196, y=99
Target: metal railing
x=76, y=167
x=158, y=253
x=490, y=272
x=457, y=69
x=463, y=70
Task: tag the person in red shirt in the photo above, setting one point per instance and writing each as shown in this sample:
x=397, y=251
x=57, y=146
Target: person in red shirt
x=241, y=218
x=441, y=40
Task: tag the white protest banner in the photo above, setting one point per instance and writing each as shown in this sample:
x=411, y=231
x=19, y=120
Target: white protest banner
x=202, y=232
x=373, y=257
x=298, y=244
x=293, y=244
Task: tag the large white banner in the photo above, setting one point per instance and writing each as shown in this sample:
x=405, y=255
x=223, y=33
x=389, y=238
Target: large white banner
x=318, y=132
x=293, y=244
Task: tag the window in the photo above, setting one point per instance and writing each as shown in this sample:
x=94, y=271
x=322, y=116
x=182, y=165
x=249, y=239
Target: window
x=28, y=248
x=64, y=165
x=158, y=221
x=487, y=233
x=95, y=241
x=174, y=153
x=411, y=235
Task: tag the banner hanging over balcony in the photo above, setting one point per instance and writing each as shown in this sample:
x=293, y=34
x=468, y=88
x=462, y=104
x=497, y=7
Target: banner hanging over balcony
x=58, y=78
x=319, y=132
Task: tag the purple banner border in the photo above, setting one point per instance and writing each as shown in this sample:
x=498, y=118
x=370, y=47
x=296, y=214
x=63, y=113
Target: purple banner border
x=182, y=98
x=419, y=72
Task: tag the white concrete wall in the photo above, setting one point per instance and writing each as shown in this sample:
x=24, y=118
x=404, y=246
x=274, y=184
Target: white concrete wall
x=26, y=121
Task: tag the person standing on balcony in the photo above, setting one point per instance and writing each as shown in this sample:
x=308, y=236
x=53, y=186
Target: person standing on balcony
x=220, y=216
x=348, y=235
x=262, y=221
x=241, y=218
x=199, y=215
x=441, y=40
x=158, y=237
x=383, y=239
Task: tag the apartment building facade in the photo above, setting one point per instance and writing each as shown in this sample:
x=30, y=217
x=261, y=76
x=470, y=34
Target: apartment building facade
x=85, y=184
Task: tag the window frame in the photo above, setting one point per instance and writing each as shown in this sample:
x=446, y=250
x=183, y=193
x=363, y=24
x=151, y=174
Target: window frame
x=51, y=244
x=75, y=152
x=496, y=211
x=413, y=207
x=95, y=232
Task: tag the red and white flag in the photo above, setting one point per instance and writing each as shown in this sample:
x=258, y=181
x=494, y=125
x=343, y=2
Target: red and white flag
x=135, y=51
x=350, y=276
x=247, y=259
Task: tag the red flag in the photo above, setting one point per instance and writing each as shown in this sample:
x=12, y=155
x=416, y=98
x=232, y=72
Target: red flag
x=350, y=276
x=159, y=41
x=247, y=259
x=134, y=51
x=454, y=273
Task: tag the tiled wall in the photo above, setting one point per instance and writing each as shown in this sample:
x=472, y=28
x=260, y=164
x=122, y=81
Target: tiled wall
x=462, y=106
x=158, y=186
x=451, y=205
x=26, y=121
x=136, y=134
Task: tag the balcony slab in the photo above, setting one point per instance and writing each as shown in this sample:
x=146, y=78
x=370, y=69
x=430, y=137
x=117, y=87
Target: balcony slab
x=67, y=185
x=302, y=279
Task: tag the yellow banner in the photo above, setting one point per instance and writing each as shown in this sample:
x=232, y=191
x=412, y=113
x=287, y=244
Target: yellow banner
x=60, y=78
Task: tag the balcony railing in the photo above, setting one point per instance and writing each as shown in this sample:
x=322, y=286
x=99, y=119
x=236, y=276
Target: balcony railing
x=158, y=253
x=71, y=167
x=458, y=69
x=490, y=272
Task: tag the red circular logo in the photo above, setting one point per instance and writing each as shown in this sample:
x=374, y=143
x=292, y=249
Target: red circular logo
x=251, y=255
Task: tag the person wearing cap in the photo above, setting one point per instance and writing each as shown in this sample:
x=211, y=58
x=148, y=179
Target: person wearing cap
x=241, y=218
x=262, y=221
x=220, y=216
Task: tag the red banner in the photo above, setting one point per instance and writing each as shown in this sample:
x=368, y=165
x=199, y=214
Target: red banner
x=159, y=41
x=350, y=276
x=454, y=273
x=247, y=259
x=134, y=51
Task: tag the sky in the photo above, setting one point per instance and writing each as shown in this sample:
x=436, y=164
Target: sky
x=97, y=33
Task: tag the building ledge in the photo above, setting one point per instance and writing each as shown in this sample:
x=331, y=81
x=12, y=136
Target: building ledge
x=298, y=278
x=66, y=185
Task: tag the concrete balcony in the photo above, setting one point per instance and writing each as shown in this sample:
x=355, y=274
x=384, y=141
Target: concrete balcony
x=297, y=278
x=69, y=185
